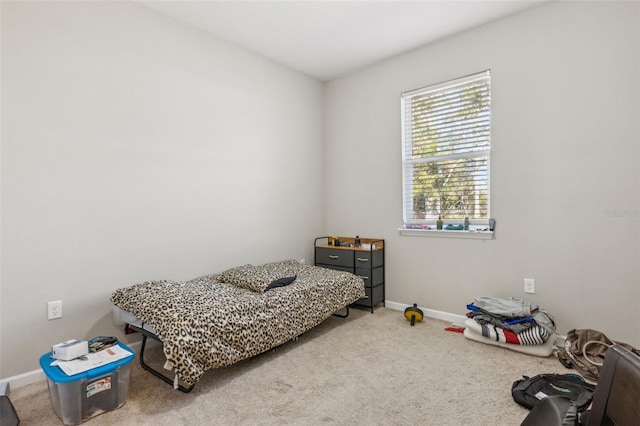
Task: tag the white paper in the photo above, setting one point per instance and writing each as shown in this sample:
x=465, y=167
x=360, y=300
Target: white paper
x=94, y=360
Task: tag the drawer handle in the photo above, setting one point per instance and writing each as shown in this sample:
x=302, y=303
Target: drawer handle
x=360, y=259
x=363, y=277
x=333, y=256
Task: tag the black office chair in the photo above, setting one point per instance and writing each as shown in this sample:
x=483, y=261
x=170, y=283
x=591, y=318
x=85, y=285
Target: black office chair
x=616, y=401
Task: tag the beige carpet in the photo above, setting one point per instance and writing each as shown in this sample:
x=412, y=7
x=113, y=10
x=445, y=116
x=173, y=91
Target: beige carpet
x=372, y=369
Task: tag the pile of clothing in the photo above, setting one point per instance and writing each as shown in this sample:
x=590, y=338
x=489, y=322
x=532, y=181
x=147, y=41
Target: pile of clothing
x=510, y=323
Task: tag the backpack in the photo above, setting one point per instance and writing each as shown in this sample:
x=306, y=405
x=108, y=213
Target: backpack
x=584, y=350
x=530, y=390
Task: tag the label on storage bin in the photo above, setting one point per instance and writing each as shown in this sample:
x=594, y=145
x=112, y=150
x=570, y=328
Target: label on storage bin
x=98, y=386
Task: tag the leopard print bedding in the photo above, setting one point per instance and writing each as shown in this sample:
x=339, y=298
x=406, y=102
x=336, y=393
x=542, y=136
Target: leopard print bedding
x=205, y=323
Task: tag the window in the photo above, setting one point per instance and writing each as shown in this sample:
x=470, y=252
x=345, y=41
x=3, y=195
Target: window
x=446, y=142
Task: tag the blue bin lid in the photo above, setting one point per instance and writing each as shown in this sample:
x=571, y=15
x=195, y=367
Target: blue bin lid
x=56, y=374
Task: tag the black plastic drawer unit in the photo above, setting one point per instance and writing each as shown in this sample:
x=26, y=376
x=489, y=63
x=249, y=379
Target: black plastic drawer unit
x=363, y=257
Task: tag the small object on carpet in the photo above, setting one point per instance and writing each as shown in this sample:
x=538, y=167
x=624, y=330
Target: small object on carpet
x=455, y=329
x=413, y=314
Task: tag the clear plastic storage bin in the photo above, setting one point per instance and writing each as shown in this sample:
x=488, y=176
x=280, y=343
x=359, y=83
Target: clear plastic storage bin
x=84, y=395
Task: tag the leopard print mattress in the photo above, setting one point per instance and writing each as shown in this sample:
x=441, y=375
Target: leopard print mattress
x=205, y=323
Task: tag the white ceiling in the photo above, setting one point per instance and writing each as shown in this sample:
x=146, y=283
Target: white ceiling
x=327, y=39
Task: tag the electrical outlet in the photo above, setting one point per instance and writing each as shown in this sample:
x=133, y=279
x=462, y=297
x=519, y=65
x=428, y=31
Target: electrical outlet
x=303, y=261
x=529, y=285
x=54, y=309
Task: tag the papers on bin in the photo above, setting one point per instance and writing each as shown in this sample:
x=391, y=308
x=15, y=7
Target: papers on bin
x=92, y=360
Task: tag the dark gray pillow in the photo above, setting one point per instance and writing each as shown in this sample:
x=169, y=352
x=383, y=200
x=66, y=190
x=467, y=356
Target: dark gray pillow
x=281, y=282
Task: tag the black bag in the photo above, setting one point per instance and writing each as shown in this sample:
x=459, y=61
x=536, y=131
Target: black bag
x=530, y=390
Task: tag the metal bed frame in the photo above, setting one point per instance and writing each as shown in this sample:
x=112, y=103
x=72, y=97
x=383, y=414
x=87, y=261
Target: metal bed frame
x=147, y=367
x=130, y=328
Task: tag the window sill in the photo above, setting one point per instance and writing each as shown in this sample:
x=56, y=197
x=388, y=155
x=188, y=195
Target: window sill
x=441, y=233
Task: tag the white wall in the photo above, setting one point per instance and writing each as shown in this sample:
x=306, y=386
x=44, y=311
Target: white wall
x=136, y=148
x=565, y=175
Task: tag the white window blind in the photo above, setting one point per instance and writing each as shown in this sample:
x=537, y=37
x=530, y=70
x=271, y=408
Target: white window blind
x=446, y=142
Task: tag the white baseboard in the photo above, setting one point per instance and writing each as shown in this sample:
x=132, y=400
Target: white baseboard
x=432, y=313
x=24, y=379
x=36, y=376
